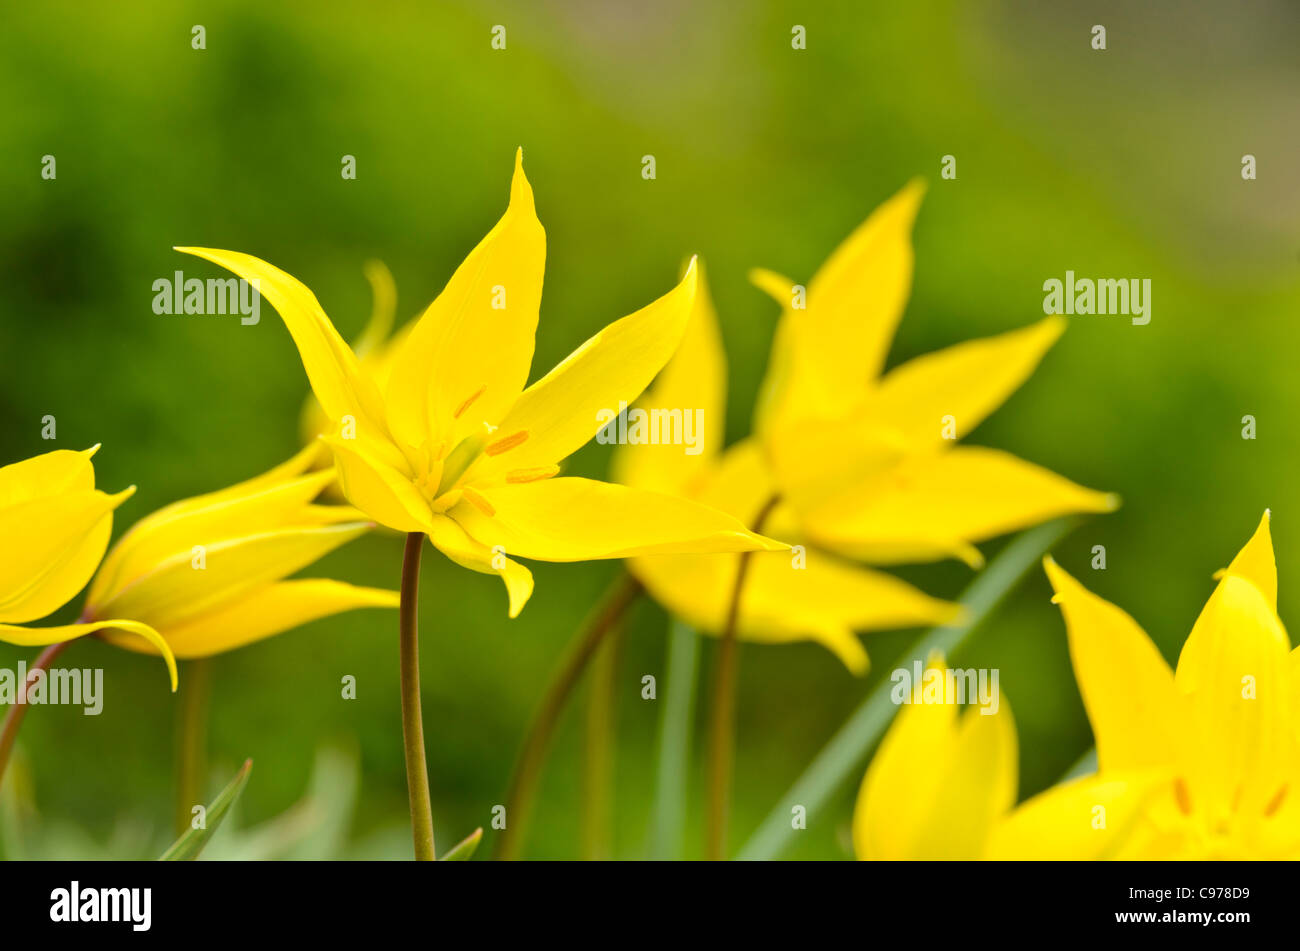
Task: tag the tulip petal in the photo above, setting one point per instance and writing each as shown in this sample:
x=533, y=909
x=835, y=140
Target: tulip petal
x=790, y=597
x=934, y=505
x=1127, y=688
x=177, y=589
x=452, y=540
x=561, y=411
x=384, y=493
x=967, y=382
x=694, y=381
x=51, y=547
x=477, y=336
x=571, y=519
x=49, y=474
x=939, y=782
x=332, y=368
x=1089, y=818
x=262, y=613
x=43, y=636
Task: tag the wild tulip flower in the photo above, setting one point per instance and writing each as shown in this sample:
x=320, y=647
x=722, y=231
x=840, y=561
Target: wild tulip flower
x=208, y=572
x=942, y=786
x=1197, y=762
x=451, y=445
x=54, y=527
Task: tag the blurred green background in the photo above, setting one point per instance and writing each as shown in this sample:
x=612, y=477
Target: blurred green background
x=1122, y=163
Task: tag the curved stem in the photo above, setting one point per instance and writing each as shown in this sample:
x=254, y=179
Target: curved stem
x=598, y=772
x=191, y=741
x=722, y=733
x=417, y=769
x=18, y=710
x=532, y=755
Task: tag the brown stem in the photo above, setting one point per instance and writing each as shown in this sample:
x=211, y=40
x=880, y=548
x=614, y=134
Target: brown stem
x=18, y=710
x=532, y=755
x=598, y=771
x=722, y=732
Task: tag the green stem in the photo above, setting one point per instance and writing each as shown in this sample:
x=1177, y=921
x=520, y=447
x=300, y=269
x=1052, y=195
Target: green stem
x=674, y=741
x=722, y=735
x=532, y=755
x=843, y=758
x=191, y=741
x=14, y=718
x=417, y=769
x=599, y=764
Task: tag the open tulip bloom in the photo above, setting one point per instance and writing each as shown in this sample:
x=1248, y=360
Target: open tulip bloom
x=448, y=442
x=849, y=462
x=1197, y=762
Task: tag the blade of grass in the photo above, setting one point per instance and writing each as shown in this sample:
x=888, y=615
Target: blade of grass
x=674, y=756
x=189, y=845
x=464, y=850
x=843, y=758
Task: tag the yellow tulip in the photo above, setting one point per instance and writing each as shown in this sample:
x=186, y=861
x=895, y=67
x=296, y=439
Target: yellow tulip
x=942, y=786
x=208, y=572
x=448, y=442
x=811, y=594
x=54, y=527
x=867, y=464
x=1198, y=762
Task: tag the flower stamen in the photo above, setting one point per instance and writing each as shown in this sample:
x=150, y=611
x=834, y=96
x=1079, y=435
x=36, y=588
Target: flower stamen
x=477, y=500
x=534, y=474
x=1276, y=802
x=507, y=443
x=465, y=405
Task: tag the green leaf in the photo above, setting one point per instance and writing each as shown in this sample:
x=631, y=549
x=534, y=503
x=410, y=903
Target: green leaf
x=464, y=850
x=844, y=757
x=189, y=845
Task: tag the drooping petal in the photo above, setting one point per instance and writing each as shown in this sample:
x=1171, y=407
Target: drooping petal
x=450, y=539
x=571, y=519
x=562, y=410
x=383, y=309
x=939, y=782
x=794, y=596
x=934, y=505
x=191, y=583
x=332, y=368
x=262, y=613
x=694, y=382
x=477, y=336
x=44, y=636
x=967, y=382
x=1127, y=688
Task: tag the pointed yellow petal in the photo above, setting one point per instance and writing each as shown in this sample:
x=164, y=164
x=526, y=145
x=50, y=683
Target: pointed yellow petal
x=47, y=475
x=262, y=506
x=1127, y=688
x=450, y=539
x=694, y=382
x=967, y=382
x=383, y=310
x=1089, y=818
x=789, y=597
x=561, y=410
x=1256, y=563
x=42, y=636
x=776, y=286
x=187, y=585
x=1235, y=672
x=384, y=493
x=49, y=548
x=477, y=333
x=570, y=519
x=336, y=379
x=939, y=503
x=263, y=613
x=939, y=782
